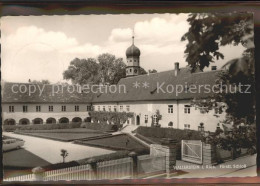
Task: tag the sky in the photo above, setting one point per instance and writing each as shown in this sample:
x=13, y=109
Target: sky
x=42, y=47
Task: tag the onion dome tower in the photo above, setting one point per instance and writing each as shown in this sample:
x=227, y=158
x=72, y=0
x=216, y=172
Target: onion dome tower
x=132, y=56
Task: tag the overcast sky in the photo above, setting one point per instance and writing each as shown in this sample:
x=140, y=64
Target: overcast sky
x=41, y=47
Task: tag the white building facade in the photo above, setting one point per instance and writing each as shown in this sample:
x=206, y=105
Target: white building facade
x=145, y=95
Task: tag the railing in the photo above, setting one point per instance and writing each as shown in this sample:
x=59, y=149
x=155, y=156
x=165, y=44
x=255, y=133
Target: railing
x=28, y=177
x=113, y=169
x=71, y=173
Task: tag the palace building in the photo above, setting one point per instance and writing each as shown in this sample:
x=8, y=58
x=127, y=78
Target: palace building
x=170, y=93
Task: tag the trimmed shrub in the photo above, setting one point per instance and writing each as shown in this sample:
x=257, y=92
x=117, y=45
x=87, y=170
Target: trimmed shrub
x=61, y=165
x=177, y=134
x=12, y=128
x=9, y=128
x=99, y=126
x=170, y=124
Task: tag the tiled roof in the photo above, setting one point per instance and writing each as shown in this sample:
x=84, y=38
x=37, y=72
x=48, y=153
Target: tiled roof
x=184, y=78
x=48, y=95
x=154, y=80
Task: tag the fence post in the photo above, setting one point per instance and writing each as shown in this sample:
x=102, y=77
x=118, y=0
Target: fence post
x=209, y=154
x=38, y=173
x=93, y=168
x=170, y=152
x=133, y=155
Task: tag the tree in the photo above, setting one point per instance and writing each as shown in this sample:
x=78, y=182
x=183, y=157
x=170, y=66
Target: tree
x=111, y=69
x=142, y=71
x=106, y=69
x=82, y=71
x=64, y=154
x=206, y=34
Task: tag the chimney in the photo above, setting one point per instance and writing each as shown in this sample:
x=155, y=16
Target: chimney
x=176, y=69
x=213, y=67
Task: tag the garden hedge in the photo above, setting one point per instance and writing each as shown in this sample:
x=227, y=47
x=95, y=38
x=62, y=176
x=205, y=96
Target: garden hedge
x=99, y=126
x=176, y=134
x=11, y=128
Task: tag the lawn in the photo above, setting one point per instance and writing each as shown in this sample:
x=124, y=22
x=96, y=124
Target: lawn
x=20, y=162
x=115, y=142
x=65, y=135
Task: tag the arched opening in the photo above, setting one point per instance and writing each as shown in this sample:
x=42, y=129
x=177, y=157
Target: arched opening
x=37, y=121
x=51, y=121
x=9, y=122
x=64, y=120
x=76, y=120
x=137, y=120
x=24, y=121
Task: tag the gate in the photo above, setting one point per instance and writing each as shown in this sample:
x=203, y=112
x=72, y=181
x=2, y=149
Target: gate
x=191, y=151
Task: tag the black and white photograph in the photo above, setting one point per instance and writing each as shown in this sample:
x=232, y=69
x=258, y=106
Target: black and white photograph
x=128, y=96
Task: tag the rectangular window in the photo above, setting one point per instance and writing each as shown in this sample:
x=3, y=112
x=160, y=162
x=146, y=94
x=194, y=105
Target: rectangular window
x=121, y=108
x=170, y=108
x=63, y=108
x=50, y=108
x=146, y=118
x=11, y=108
x=128, y=108
x=187, y=109
x=25, y=108
x=38, y=108
x=115, y=108
x=104, y=108
x=155, y=119
x=109, y=108
x=93, y=108
x=98, y=108
x=186, y=126
x=89, y=108
x=76, y=108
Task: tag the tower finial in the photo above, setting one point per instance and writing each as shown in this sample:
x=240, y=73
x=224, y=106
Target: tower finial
x=133, y=37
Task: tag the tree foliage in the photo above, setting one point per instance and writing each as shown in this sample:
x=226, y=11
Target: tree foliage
x=117, y=118
x=82, y=71
x=106, y=69
x=207, y=33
